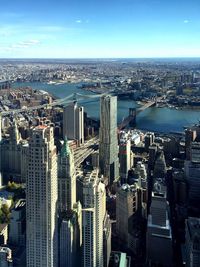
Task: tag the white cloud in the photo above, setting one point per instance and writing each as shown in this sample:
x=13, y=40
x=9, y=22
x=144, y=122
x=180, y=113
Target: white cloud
x=186, y=21
x=21, y=45
x=78, y=21
x=29, y=43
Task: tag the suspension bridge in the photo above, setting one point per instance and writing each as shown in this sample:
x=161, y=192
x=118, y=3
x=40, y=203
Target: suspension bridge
x=81, y=98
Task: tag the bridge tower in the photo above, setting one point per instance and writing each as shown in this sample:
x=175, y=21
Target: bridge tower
x=132, y=116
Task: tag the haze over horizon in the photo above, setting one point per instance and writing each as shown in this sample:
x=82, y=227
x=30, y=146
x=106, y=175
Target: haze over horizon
x=99, y=29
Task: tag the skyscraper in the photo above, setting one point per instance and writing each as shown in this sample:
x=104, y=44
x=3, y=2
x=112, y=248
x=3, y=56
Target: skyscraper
x=108, y=144
x=125, y=159
x=66, y=178
x=71, y=237
x=159, y=237
x=126, y=206
x=93, y=215
x=73, y=122
x=11, y=154
x=192, y=172
x=192, y=242
x=41, y=199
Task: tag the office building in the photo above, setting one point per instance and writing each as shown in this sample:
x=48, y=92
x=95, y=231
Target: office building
x=192, y=172
x=73, y=123
x=125, y=159
x=141, y=174
x=180, y=188
x=6, y=257
x=149, y=140
x=126, y=206
x=195, y=151
x=108, y=144
x=190, y=136
x=192, y=242
x=160, y=169
x=93, y=214
x=152, y=156
x=159, y=238
x=66, y=178
x=71, y=237
x=11, y=154
x=41, y=199
x=18, y=224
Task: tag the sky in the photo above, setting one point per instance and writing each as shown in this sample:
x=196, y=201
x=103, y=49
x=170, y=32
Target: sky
x=99, y=28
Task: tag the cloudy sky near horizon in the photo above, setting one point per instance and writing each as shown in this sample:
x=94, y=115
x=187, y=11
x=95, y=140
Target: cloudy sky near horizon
x=99, y=28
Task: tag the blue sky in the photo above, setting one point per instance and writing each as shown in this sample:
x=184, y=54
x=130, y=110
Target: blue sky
x=99, y=28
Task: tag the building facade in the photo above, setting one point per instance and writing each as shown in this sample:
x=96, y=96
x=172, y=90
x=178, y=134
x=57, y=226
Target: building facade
x=93, y=215
x=73, y=122
x=41, y=199
x=192, y=242
x=71, y=237
x=159, y=237
x=66, y=178
x=108, y=144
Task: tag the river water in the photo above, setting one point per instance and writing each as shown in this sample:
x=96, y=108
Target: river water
x=152, y=119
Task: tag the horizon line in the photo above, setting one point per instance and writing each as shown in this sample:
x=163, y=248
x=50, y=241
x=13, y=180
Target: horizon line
x=153, y=57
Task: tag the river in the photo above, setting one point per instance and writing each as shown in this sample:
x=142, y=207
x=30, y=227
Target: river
x=152, y=119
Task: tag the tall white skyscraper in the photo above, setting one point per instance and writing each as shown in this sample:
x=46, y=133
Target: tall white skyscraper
x=41, y=199
x=108, y=144
x=93, y=215
x=73, y=122
x=66, y=178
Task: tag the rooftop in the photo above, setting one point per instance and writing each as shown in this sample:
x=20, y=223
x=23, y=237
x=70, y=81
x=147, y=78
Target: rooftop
x=3, y=226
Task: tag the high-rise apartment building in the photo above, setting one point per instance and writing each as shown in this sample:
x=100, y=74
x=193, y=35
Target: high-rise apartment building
x=41, y=199
x=93, y=215
x=73, y=123
x=192, y=242
x=66, y=178
x=108, y=144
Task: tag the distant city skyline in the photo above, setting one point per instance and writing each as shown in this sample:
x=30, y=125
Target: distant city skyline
x=99, y=29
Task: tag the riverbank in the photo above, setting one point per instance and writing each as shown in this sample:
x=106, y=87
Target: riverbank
x=163, y=120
